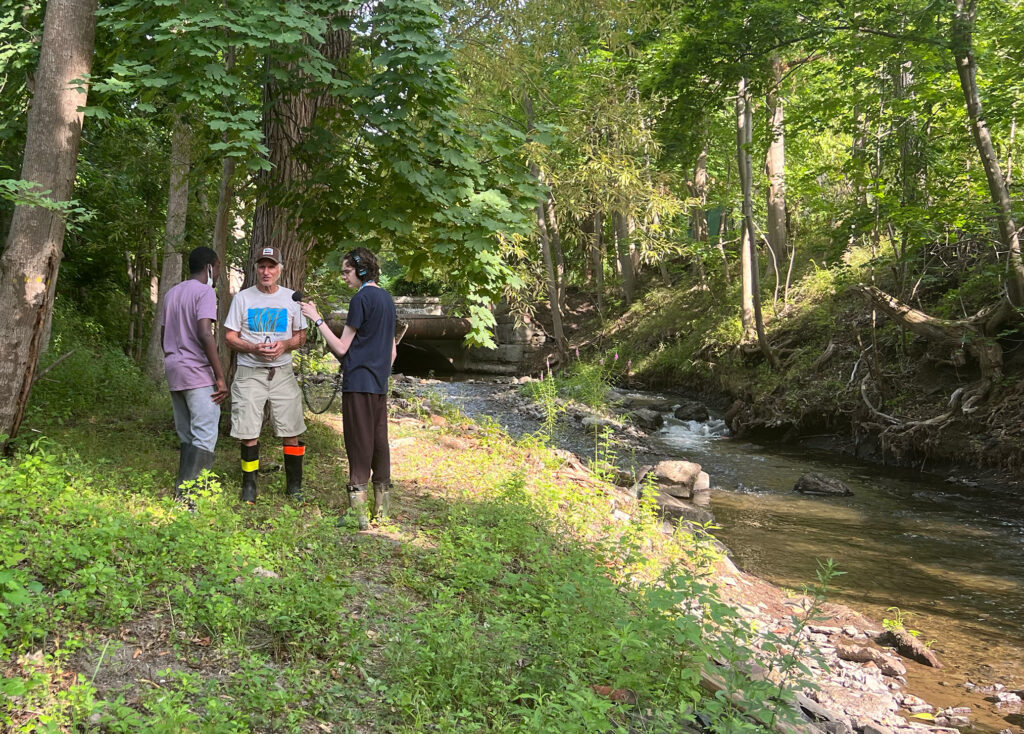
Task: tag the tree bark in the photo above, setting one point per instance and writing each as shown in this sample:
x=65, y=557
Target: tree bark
x=288, y=115
x=699, y=191
x=966, y=66
x=597, y=253
x=556, y=249
x=35, y=240
x=751, y=318
x=221, y=228
x=620, y=223
x=174, y=238
x=970, y=334
x=545, y=245
x=775, y=169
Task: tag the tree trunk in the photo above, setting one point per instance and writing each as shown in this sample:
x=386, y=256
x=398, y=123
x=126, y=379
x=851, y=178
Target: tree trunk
x=556, y=248
x=174, y=238
x=775, y=169
x=967, y=334
x=699, y=191
x=221, y=226
x=963, y=55
x=753, y=323
x=620, y=224
x=35, y=239
x=597, y=253
x=545, y=246
x=288, y=115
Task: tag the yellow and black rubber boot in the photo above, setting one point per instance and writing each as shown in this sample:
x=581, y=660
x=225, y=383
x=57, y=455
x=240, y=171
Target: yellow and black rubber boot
x=293, y=456
x=250, y=468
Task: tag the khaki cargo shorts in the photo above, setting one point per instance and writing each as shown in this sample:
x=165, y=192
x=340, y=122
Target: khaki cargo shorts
x=252, y=389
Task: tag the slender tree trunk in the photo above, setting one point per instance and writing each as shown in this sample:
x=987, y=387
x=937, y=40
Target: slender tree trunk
x=775, y=169
x=597, y=253
x=35, y=240
x=963, y=54
x=545, y=246
x=174, y=238
x=556, y=248
x=1009, y=153
x=753, y=323
x=699, y=191
x=221, y=227
x=620, y=224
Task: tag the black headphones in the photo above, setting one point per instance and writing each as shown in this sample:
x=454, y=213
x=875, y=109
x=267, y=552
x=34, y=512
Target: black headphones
x=361, y=269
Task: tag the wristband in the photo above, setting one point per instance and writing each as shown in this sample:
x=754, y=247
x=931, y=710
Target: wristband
x=317, y=323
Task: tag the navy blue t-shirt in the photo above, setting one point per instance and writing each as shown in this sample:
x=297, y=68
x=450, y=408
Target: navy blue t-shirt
x=368, y=360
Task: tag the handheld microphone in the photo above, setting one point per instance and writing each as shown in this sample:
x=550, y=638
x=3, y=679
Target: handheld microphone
x=297, y=296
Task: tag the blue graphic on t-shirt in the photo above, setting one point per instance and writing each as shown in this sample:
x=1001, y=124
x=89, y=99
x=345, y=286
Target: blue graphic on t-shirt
x=267, y=319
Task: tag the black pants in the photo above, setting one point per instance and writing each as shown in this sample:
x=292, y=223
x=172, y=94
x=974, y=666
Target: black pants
x=364, y=419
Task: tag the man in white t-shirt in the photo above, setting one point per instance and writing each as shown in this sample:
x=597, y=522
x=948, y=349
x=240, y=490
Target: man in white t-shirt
x=264, y=325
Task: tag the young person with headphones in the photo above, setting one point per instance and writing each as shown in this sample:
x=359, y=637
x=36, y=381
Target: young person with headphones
x=367, y=349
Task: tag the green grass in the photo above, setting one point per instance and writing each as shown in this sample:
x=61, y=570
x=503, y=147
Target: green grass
x=499, y=598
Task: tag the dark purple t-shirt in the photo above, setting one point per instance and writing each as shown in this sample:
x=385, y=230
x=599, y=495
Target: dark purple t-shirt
x=185, y=361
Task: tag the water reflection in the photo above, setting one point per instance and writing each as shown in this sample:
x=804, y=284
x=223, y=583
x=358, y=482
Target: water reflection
x=947, y=554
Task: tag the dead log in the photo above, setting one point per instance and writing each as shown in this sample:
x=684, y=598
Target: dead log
x=973, y=334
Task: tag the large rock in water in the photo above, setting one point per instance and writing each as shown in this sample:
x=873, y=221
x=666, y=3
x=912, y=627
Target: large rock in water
x=819, y=484
x=676, y=509
x=681, y=478
x=692, y=411
x=908, y=646
x=650, y=420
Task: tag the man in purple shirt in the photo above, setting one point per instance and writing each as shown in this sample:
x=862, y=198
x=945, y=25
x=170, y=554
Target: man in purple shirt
x=194, y=373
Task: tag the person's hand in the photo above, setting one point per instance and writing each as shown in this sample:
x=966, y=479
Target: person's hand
x=309, y=311
x=269, y=351
x=220, y=391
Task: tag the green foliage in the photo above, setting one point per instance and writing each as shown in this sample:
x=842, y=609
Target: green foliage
x=507, y=606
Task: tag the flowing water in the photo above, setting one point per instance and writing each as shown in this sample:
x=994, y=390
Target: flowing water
x=947, y=555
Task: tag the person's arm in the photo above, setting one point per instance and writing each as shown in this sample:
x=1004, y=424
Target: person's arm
x=338, y=346
x=237, y=343
x=220, y=390
x=394, y=351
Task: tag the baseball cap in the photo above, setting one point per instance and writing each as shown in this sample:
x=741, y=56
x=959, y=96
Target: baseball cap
x=268, y=253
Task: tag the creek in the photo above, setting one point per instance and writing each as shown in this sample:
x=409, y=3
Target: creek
x=946, y=555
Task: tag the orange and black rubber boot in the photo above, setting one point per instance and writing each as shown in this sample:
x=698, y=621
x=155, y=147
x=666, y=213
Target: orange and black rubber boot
x=250, y=468
x=293, y=456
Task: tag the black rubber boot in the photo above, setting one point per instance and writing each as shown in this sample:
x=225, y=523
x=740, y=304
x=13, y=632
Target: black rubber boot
x=184, y=459
x=381, y=500
x=293, y=456
x=250, y=468
x=196, y=461
x=357, y=503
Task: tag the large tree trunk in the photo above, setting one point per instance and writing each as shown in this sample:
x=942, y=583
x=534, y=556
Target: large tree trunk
x=174, y=238
x=753, y=323
x=35, y=239
x=620, y=223
x=775, y=169
x=288, y=115
x=963, y=55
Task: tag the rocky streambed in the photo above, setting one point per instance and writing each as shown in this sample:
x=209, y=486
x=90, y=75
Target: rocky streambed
x=868, y=682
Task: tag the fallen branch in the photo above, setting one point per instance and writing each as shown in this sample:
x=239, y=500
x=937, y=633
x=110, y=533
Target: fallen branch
x=53, y=364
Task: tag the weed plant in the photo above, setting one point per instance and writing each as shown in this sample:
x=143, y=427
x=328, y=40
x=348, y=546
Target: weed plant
x=499, y=598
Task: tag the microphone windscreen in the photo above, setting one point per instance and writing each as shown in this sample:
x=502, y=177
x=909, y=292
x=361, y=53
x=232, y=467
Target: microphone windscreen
x=297, y=296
